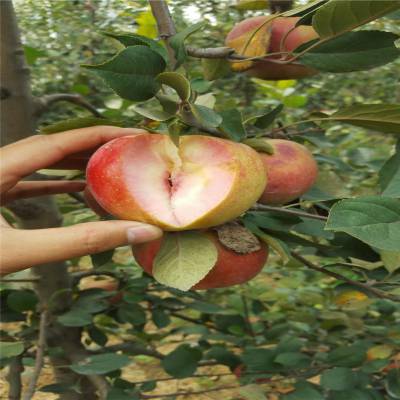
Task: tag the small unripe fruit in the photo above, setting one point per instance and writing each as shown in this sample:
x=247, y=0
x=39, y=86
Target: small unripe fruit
x=268, y=39
x=231, y=268
x=203, y=182
x=291, y=171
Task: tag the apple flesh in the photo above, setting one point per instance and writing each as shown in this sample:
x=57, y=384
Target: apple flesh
x=203, y=182
x=268, y=40
x=291, y=171
x=231, y=268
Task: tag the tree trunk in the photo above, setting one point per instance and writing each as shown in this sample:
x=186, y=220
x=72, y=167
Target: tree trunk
x=17, y=122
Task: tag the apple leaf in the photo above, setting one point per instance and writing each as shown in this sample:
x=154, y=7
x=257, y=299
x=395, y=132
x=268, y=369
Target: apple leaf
x=391, y=260
x=378, y=117
x=11, y=349
x=374, y=220
x=206, y=116
x=132, y=72
x=243, y=5
x=389, y=175
x=215, y=68
x=353, y=51
x=252, y=392
x=100, y=364
x=259, y=144
x=265, y=120
x=232, y=124
x=131, y=39
x=177, y=41
x=178, y=82
x=184, y=259
x=149, y=111
x=305, y=9
x=182, y=362
x=338, y=16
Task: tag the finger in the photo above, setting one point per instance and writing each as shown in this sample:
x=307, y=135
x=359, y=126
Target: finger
x=25, y=189
x=22, y=249
x=41, y=151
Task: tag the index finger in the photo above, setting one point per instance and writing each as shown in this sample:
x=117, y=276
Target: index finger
x=41, y=151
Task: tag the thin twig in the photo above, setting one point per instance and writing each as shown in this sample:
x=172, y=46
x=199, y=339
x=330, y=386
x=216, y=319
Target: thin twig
x=156, y=396
x=18, y=280
x=311, y=265
x=43, y=103
x=15, y=370
x=41, y=345
x=262, y=207
x=247, y=316
x=132, y=349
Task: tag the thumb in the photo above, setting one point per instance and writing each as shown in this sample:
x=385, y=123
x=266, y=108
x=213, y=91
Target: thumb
x=25, y=248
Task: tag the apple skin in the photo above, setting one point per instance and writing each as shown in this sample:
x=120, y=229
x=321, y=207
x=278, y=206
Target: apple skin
x=230, y=269
x=205, y=182
x=278, y=27
x=291, y=171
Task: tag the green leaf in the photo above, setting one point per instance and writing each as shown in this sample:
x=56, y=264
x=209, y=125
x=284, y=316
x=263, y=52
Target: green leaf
x=304, y=391
x=374, y=220
x=178, y=82
x=22, y=300
x=132, y=72
x=278, y=245
x=304, y=10
x=206, y=116
x=379, y=117
x=338, y=379
x=252, y=392
x=353, y=51
x=293, y=360
x=392, y=383
x=100, y=364
x=215, y=68
x=76, y=123
x=102, y=258
x=264, y=121
x=182, y=362
x=10, y=349
x=391, y=260
x=32, y=54
x=131, y=39
x=177, y=41
x=75, y=317
x=132, y=313
x=347, y=356
x=338, y=16
x=389, y=175
x=148, y=111
x=260, y=144
x=260, y=360
x=184, y=259
x=160, y=318
x=251, y=4
x=232, y=124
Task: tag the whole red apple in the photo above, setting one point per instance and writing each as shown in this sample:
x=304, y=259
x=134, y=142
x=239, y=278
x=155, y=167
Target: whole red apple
x=231, y=268
x=203, y=182
x=270, y=38
x=291, y=171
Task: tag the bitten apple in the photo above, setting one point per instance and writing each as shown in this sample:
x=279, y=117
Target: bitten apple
x=203, y=182
x=231, y=268
x=291, y=171
x=264, y=35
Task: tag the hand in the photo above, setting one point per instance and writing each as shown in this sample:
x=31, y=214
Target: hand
x=22, y=249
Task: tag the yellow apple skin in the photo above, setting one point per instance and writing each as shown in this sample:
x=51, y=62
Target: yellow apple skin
x=291, y=171
x=268, y=40
x=204, y=182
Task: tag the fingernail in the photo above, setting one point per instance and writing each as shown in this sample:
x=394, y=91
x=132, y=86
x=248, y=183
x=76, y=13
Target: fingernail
x=143, y=233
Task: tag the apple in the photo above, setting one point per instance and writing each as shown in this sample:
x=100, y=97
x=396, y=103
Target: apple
x=268, y=39
x=102, y=282
x=291, y=171
x=231, y=268
x=203, y=182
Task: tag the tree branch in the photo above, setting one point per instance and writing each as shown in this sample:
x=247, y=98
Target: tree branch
x=43, y=103
x=15, y=370
x=262, y=207
x=165, y=25
x=39, y=356
x=364, y=286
